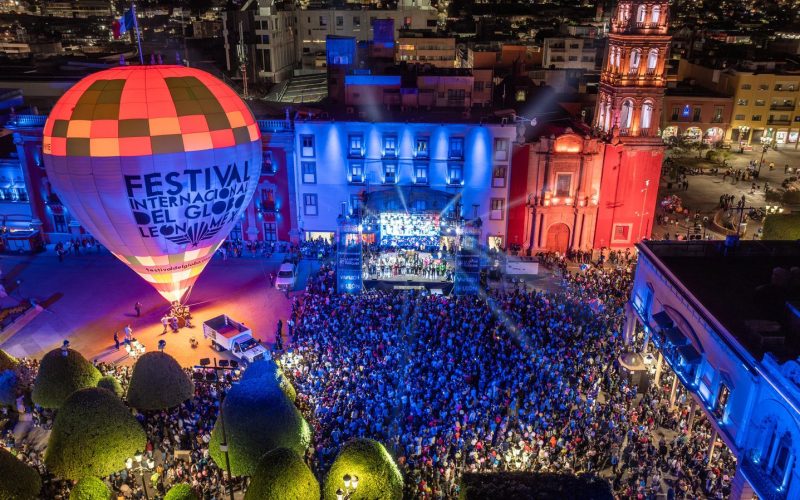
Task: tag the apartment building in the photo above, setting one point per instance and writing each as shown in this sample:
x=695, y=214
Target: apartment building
x=426, y=47
x=696, y=114
x=569, y=53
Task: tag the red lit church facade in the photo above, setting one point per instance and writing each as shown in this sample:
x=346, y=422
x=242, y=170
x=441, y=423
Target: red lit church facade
x=579, y=188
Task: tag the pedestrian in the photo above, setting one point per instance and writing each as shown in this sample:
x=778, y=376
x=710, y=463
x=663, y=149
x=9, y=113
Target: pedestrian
x=164, y=323
x=138, y=308
x=271, y=279
x=116, y=340
x=771, y=166
x=128, y=333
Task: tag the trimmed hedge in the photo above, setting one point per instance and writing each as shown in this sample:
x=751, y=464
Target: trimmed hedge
x=18, y=480
x=112, y=384
x=7, y=361
x=158, y=382
x=90, y=488
x=60, y=376
x=782, y=227
x=258, y=418
x=477, y=486
x=282, y=474
x=379, y=478
x=181, y=491
x=93, y=434
x=268, y=371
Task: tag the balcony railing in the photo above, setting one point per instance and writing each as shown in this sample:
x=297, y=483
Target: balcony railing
x=763, y=484
x=777, y=121
x=27, y=120
x=782, y=107
x=275, y=125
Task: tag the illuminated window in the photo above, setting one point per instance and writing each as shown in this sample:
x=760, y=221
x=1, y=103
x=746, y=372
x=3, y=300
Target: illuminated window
x=741, y=102
x=356, y=172
x=722, y=400
x=356, y=145
x=647, y=115
x=421, y=147
x=268, y=166
x=496, y=212
x=455, y=173
x=499, y=177
x=310, y=204
x=421, y=173
x=390, y=145
x=355, y=204
x=456, y=147
x=760, y=102
x=563, y=184
x=756, y=118
x=655, y=14
x=390, y=172
x=501, y=149
x=309, y=172
x=686, y=110
x=270, y=231
x=307, y=146
x=520, y=96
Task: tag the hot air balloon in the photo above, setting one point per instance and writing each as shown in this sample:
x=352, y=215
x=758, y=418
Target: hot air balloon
x=158, y=163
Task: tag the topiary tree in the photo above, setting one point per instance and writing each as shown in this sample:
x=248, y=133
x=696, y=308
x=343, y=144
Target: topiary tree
x=93, y=434
x=90, y=488
x=269, y=372
x=781, y=227
x=158, y=382
x=18, y=481
x=258, y=418
x=181, y=491
x=112, y=384
x=367, y=459
x=59, y=376
x=282, y=474
x=7, y=361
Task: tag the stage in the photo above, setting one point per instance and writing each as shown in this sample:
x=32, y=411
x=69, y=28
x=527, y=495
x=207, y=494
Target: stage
x=409, y=283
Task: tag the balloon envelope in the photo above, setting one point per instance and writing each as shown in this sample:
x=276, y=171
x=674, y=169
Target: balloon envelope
x=158, y=163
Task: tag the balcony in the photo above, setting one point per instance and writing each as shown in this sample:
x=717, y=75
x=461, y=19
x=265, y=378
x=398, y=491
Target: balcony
x=763, y=484
x=275, y=125
x=27, y=120
x=782, y=107
x=778, y=121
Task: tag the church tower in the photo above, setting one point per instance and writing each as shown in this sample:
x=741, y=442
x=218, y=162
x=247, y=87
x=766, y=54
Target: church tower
x=627, y=116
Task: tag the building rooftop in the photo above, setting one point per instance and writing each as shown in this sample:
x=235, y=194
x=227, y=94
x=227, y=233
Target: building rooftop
x=742, y=288
x=687, y=89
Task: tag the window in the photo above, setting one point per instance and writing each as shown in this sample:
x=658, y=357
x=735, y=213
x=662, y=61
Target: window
x=763, y=86
x=647, y=115
x=478, y=86
x=636, y=58
x=722, y=400
x=421, y=147
x=307, y=146
x=390, y=146
x=501, y=149
x=738, y=117
x=356, y=22
x=572, y=58
x=323, y=21
x=356, y=145
x=574, y=46
x=309, y=172
x=310, y=204
x=756, y=118
x=456, y=96
x=355, y=204
x=390, y=172
x=499, y=177
x=456, y=147
x=270, y=231
x=640, y=14
x=421, y=173
x=676, y=111
x=339, y=21
x=497, y=209
x=356, y=172
x=760, y=102
x=59, y=223
x=622, y=233
x=520, y=96
x=741, y=102
x=655, y=14
x=420, y=205
x=686, y=110
x=455, y=173
x=652, y=60
x=626, y=117
x=268, y=166
x=696, y=116
x=717, y=114
x=746, y=86
x=563, y=184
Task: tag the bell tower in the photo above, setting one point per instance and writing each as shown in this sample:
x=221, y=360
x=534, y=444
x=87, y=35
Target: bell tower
x=632, y=80
x=627, y=119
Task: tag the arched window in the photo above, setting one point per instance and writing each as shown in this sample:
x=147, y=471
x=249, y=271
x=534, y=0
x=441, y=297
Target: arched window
x=601, y=116
x=652, y=59
x=626, y=117
x=640, y=14
x=647, y=115
x=617, y=52
x=636, y=58
x=655, y=14
x=607, y=123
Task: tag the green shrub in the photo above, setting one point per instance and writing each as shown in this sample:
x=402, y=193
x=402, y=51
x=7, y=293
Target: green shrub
x=258, y=418
x=378, y=475
x=18, y=481
x=93, y=434
x=158, y=382
x=7, y=361
x=181, y=491
x=477, y=486
x=282, y=474
x=112, y=384
x=90, y=488
x=60, y=376
x=782, y=227
x=268, y=371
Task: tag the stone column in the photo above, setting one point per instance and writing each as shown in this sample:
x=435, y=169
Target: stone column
x=713, y=442
x=672, y=393
x=740, y=488
x=659, y=367
x=630, y=324
x=692, y=413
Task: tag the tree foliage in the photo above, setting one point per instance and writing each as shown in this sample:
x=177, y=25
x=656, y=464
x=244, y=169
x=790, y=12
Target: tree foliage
x=90, y=488
x=59, y=376
x=18, y=481
x=379, y=478
x=158, y=382
x=532, y=485
x=782, y=227
x=282, y=474
x=7, y=361
x=181, y=491
x=112, y=384
x=93, y=434
x=269, y=372
x=258, y=418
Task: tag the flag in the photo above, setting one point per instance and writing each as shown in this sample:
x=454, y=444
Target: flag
x=123, y=24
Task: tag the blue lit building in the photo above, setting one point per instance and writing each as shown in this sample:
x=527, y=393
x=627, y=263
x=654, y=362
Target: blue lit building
x=726, y=319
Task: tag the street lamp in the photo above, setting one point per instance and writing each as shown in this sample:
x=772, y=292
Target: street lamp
x=347, y=493
x=140, y=465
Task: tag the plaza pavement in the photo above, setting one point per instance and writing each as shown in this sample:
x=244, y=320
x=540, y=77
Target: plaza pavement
x=86, y=298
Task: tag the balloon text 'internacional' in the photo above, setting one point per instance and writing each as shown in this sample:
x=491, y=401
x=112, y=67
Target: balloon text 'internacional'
x=156, y=162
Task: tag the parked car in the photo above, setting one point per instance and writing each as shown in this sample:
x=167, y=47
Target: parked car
x=287, y=276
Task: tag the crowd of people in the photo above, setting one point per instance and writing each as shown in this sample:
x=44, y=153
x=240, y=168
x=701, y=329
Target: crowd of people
x=406, y=264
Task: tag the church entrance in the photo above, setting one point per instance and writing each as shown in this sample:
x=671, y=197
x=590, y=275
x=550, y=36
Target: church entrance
x=558, y=238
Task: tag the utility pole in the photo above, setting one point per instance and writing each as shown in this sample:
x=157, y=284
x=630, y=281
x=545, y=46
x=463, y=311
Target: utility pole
x=242, y=58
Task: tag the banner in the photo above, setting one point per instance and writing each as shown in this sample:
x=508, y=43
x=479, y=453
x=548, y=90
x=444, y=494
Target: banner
x=348, y=259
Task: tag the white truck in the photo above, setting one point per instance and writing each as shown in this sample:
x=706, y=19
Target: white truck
x=226, y=333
